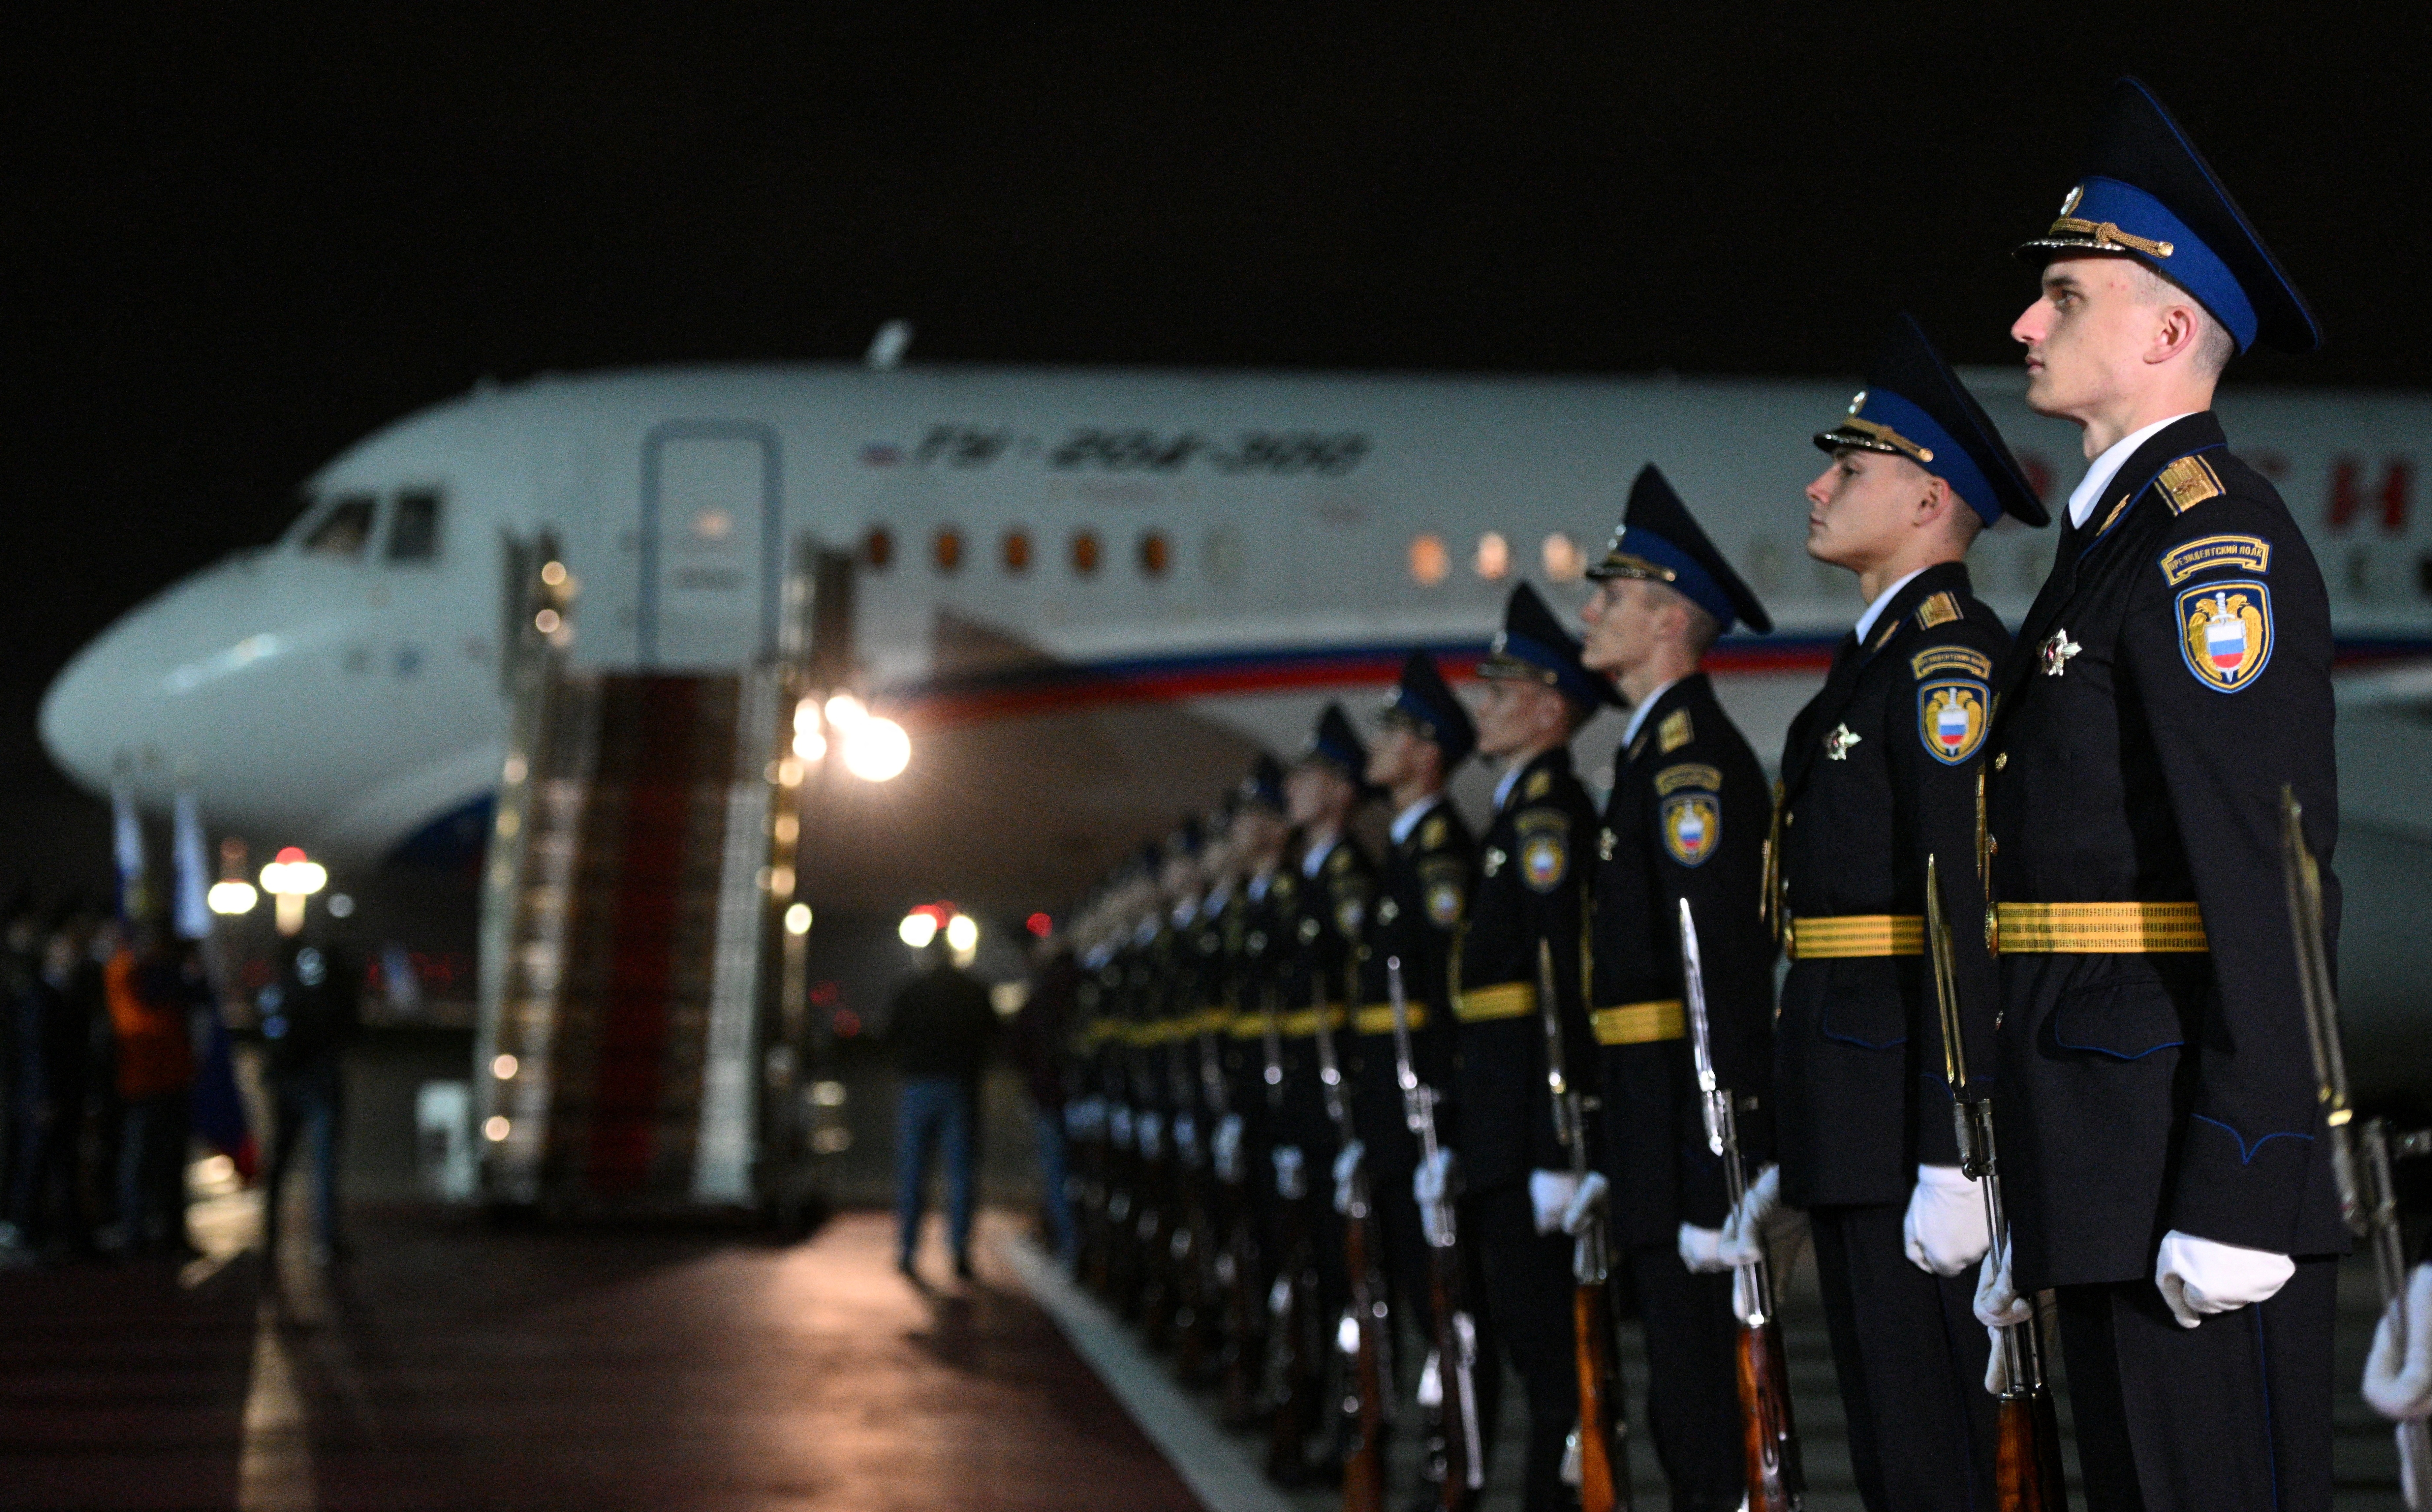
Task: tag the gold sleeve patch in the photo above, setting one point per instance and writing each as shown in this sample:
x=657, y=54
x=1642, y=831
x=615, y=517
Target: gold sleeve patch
x=1675, y=732
x=1939, y=609
x=1693, y=826
x=2188, y=482
x=1545, y=848
x=1965, y=660
x=1951, y=718
x=1538, y=786
x=2225, y=632
x=1687, y=774
x=2247, y=553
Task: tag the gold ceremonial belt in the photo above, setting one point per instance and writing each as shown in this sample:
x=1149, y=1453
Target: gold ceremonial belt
x=1209, y=1021
x=1505, y=999
x=1641, y=1023
x=1378, y=1017
x=1843, y=936
x=1247, y=1025
x=2096, y=929
x=1303, y=1024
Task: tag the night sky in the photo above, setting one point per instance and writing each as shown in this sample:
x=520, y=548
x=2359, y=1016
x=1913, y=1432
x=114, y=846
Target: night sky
x=242, y=239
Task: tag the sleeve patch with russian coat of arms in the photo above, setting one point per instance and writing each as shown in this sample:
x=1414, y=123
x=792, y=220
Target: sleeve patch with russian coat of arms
x=1951, y=717
x=1545, y=848
x=1439, y=883
x=1692, y=825
x=2225, y=632
x=2247, y=553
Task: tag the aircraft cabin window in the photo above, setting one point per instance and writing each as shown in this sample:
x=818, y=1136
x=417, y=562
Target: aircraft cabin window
x=1494, y=556
x=1085, y=553
x=341, y=532
x=950, y=550
x=1017, y=552
x=1429, y=562
x=1152, y=553
x=878, y=547
x=413, y=533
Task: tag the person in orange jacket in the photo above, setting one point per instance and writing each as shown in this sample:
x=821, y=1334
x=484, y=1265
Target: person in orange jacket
x=149, y=1014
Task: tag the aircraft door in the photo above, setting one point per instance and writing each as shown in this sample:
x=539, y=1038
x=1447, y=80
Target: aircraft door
x=711, y=536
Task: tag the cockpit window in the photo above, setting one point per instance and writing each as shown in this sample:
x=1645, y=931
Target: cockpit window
x=413, y=533
x=341, y=532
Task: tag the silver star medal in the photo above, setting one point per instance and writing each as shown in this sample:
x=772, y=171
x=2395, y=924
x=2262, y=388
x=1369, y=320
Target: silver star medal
x=1837, y=744
x=2057, y=650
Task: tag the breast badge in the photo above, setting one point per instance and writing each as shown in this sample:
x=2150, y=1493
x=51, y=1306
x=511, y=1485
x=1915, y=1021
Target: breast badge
x=2057, y=649
x=1951, y=718
x=1837, y=744
x=1545, y=848
x=2226, y=634
x=1693, y=826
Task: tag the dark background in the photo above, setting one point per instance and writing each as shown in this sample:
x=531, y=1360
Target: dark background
x=244, y=238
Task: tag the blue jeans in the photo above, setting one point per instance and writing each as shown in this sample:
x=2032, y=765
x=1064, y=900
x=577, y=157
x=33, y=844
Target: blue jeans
x=309, y=1101
x=1052, y=1174
x=928, y=1109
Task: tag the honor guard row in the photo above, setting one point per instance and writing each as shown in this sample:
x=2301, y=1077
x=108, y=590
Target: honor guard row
x=1357, y=1132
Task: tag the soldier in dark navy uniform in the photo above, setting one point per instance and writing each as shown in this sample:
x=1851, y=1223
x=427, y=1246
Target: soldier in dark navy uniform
x=1430, y=863
x=1686, y=820
x=1253, y=924
x=1531, y=876
x=2162, y=1147
x=1879, y=772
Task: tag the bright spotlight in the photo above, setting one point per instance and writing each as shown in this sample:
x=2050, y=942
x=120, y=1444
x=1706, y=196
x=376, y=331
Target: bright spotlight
x=231, y=898
x=504, y=1068
x=809, y=744
x=806, y=714
x=876, y=749
x=798, y=919
x=291, y=875
x=962, y=934
x=844, y=710
x=918, y=928
x=496, y=1128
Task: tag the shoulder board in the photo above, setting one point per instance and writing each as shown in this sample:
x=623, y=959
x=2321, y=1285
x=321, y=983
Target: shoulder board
x=1891, y=627
x=1284, y=885
x=1675, y=732
x=2188, y=482
x=1340, y=861
x=1432, y=833
x=1538, y=786
x=1939, y=609
x=1688, y=774
x=1966, y=659
x=2247, y=553
x=1637, y=746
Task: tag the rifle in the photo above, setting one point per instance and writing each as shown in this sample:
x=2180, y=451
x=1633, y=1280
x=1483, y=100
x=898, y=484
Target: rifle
x=1595, y=1438
x=2359, y=1155
x=1362, y=1333
x=1460, y=1472
x=1234, y=1264
x=2026, y=1460
x=1195, y=1293
x=1293, y=1349
x=1776, y=1482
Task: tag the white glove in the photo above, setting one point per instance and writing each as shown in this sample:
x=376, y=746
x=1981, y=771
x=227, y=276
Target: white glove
x=1702, y=1250
x=1945, y=1229
x=1225, y=1149
x=1997, y=1368
x=1997, y=1303
x=1289, y=1183
x=1434, y=1185
x=2398, y=1378
x=2200, y=1277
x=1549, y=1195
x=1759, y=1220
x=1346, y=1167
x=1587, y=1205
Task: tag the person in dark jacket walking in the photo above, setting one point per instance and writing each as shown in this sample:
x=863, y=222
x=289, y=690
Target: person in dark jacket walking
x=938, y=1030
x=1038, y=1037
x=308, y=1018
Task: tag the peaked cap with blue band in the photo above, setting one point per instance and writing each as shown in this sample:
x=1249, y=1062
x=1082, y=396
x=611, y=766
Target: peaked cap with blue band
x=1913, y=405
x=1335, y=743
x=1533, y=645
x=1424, y=702
x=1263, y=787
x=1659, y=540
x=2148, y=194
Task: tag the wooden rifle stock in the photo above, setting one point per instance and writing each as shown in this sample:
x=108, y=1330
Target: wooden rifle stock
x=1777, y=1480
x=2026, y=1461
x=1460, y=1469
x=1604, y=1478
x=1363, y=1341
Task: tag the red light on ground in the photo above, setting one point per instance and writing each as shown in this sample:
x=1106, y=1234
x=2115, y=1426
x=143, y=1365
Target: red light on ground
x=1040, y=924
x=846, y=1023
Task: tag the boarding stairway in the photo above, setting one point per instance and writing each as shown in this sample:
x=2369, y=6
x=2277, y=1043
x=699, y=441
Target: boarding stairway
x=643, y=1043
